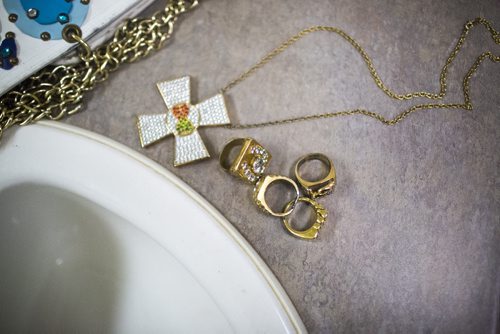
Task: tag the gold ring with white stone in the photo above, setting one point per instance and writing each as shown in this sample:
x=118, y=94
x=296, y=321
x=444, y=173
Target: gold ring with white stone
x=250, y=162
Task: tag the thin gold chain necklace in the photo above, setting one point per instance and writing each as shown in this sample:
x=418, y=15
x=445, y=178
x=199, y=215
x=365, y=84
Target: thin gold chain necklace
x=183, y=119
x=467, y=104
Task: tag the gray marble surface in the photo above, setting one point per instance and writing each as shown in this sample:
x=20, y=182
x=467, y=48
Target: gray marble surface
x=413, y=239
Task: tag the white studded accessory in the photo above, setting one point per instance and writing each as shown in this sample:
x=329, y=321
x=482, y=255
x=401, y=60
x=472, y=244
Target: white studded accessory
x=182, y=120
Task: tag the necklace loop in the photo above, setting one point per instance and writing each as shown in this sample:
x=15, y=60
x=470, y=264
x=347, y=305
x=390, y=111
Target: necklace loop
x=443, y=78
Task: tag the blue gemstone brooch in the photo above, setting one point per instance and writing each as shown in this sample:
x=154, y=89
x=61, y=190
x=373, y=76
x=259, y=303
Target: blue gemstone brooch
x=8, y=52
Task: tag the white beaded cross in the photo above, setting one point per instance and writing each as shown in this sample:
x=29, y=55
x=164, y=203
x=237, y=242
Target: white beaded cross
x=182, y=120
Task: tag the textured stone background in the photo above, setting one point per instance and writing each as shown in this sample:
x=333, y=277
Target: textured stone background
x=413, y=240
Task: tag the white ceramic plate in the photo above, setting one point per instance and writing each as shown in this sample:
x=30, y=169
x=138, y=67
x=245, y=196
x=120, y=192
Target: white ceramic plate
x=94, y=237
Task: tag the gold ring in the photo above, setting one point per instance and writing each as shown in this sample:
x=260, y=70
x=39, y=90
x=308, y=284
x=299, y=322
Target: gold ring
x=321, y=187
x=313, y=230
x=251, y=162
x=259, y=194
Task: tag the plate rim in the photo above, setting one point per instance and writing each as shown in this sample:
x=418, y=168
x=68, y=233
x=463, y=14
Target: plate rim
x=261, y=267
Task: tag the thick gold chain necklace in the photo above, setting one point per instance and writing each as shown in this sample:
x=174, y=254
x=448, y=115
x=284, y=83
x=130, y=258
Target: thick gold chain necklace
x=58, y=91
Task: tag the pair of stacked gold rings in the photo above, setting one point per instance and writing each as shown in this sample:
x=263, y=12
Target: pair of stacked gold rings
x=250, y=164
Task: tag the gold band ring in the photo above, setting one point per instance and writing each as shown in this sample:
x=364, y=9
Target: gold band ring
x=313, y=230
x=251, y=161
x=259, y=194
x=320, y=187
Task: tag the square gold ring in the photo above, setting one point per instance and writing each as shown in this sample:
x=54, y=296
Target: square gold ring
x=251, y=161
x=313, y=230
x=259, y=194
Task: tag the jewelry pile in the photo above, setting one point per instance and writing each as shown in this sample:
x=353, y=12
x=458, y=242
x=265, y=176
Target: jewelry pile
x=250, y=164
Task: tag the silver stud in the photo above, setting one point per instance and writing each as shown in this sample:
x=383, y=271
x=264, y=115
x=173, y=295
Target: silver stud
x=32, y=13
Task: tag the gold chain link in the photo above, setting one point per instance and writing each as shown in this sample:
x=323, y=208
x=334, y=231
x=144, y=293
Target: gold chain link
x=58, y=91
x=467, y=104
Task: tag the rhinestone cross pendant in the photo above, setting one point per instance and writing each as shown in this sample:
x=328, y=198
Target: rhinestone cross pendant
x=182, y=120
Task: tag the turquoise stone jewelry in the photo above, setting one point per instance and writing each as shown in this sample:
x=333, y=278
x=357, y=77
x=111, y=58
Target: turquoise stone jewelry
x=46, y=19
x=182, y=120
